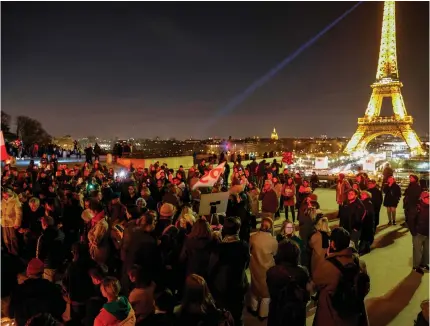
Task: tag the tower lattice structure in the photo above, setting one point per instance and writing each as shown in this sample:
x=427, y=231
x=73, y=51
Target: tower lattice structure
x=387, y=84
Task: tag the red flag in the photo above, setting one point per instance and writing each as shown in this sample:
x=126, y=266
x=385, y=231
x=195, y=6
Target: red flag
x=208, y=180
x=3, y=152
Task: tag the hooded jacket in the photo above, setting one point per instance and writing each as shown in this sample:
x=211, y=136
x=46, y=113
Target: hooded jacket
x=118, y=312
x=11, y=212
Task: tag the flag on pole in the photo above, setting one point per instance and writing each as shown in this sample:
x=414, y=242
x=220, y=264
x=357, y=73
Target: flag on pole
x=208, y=180
x=3, y=152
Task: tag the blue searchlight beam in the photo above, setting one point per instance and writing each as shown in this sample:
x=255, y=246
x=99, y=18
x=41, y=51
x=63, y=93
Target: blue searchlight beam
x=264, y=79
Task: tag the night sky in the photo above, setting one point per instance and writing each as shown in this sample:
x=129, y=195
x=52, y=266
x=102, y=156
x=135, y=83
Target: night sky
x=164, y=69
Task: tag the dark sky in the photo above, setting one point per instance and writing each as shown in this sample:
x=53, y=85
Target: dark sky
x=163, y=69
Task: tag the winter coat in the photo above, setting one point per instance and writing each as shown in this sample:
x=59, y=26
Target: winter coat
x=352, y=215
x=50, y=247
x=342, y=188
x=289, y=194
x=306, y=217
x=118, y=313
x=277, y=279
x=420, y=224
x=368, y=221
x=263, y=249
x=77, y=282
x=36, y=295
x=318, y=243
x=326, y=278
x=376, y=198
x=139, y=247
x=195, y=255
x=269, y=201
x=253, y=201
x=98, y=237
x=11, y=212
x=412, y=196
x=392, y=195
x=227, y=272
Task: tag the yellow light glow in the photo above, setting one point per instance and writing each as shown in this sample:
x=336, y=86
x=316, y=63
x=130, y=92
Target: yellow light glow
x=386, y=85
x=387, y=63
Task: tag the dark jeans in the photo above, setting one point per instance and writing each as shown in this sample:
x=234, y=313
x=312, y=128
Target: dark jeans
x=355, y=236
x=377, y=210
x=293, y=212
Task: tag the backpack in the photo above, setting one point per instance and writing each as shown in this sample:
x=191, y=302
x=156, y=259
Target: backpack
x=290, y=303
x=353, y=286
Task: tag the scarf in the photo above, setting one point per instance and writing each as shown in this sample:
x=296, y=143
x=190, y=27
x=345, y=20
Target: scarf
x=97, y=218
x=231, y=238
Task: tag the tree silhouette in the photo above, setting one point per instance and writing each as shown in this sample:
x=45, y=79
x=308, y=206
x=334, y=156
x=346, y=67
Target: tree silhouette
x=5, y=122
x=30, y=131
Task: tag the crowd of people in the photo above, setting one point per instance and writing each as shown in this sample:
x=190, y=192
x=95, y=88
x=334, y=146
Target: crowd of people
x=86, y=245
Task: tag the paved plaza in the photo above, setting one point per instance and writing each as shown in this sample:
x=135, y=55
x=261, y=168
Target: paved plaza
x=396, y=292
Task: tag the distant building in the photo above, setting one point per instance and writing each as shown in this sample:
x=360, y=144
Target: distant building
x=274, y=135
x=65, y=142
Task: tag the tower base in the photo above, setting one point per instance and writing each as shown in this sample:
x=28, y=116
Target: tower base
x=369, y=129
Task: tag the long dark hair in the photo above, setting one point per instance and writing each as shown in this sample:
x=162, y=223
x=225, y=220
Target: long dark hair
x=201, y=229
x=197, y=296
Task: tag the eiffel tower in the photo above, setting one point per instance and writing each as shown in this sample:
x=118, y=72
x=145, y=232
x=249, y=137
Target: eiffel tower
x=387, y=84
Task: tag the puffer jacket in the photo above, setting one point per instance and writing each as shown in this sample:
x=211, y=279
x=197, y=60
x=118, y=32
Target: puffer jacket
x=11, y=212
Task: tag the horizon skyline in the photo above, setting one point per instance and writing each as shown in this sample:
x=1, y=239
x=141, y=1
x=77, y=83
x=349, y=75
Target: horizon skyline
x=180, y=72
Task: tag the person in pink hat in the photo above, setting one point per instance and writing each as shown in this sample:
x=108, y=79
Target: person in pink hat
x=35, y=296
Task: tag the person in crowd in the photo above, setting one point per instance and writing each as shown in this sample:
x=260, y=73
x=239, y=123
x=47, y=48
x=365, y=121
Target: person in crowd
x=263, y=247
x=163, y=315
x=49, y=248
x=303, y=192
x=31, y=228
x=376, y=201
x=342, y=188
x=269, y=200
x=314, y=181
x=254, y=203
x=117, y=310
x=287, y=282
x=337, y=304
x=141, y=297
x=352, y=216
x=227, y=270
x=288, y=232
x=289, y=195
x=130, y=197
x=411, y=197
x=11, y=218
x=392, y=196
x=307, y=214
x=98, y=235
x=76, y=282
x=197, y=249
x=115, y=209
x=139, y=246
x=36, y=295
x=387, y=173
x=419, y=228
x=367, y=229
x=319, y=243
x=198, y=306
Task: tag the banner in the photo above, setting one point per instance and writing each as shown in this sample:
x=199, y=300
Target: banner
x=321, y=162
x=369, y=164
x=3, y=153
x=208, y=180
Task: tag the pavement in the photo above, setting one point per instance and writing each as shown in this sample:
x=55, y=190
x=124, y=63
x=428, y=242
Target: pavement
x=396, y=292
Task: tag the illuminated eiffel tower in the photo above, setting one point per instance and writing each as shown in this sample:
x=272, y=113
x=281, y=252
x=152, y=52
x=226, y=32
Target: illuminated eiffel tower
x=387, y=84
